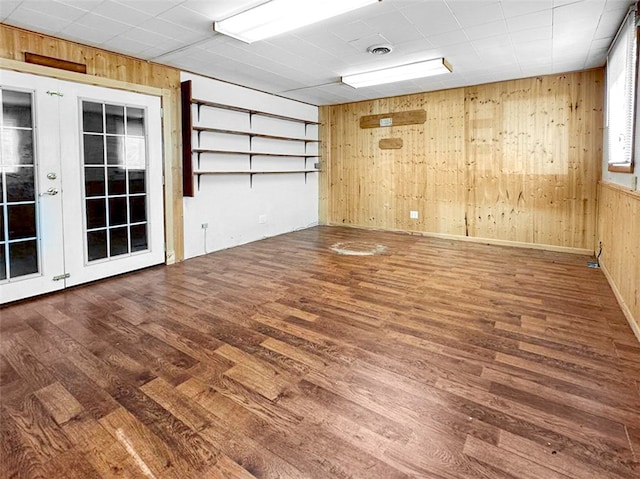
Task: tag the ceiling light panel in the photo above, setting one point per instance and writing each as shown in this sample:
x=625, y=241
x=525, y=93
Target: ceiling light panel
x=279, y=16
x=410, y=71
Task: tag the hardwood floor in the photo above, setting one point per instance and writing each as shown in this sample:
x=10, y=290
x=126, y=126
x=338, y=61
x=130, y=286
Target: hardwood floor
x=435, y=359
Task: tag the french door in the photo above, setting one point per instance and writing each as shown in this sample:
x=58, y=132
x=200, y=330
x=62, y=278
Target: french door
x=80, y=184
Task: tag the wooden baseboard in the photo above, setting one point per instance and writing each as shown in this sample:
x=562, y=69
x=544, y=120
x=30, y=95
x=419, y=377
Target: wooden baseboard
x=471, y=239
x=633, y=322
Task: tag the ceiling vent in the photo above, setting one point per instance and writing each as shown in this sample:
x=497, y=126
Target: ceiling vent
x=380, y=49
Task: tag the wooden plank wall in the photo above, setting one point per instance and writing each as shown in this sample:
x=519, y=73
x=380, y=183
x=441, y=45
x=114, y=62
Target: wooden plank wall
x=619, y=232
x=100, y=63
x=516, y=161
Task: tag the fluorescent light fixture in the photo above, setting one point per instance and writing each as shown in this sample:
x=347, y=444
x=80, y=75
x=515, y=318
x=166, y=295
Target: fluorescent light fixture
x=279, y=16
x=410, y=71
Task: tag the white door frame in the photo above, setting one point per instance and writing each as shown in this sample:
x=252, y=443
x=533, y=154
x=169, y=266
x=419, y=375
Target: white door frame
x=169, y=130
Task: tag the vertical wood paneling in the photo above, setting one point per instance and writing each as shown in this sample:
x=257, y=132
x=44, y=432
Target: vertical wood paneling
x=619, y=232
x=512, y=161
x=324, y=149
x=14, y=42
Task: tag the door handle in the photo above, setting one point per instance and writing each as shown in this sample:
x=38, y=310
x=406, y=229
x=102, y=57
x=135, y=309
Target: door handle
x=50, y=192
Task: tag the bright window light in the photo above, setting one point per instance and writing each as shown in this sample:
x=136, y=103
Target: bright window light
x=279, y=16
x=410, y=71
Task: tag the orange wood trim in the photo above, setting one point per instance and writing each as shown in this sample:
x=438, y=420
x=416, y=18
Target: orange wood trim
x=390, y=143
x=401, y=118
x=54, y=63
x=621, y=168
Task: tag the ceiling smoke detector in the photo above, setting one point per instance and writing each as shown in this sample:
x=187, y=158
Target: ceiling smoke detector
x=380, y=49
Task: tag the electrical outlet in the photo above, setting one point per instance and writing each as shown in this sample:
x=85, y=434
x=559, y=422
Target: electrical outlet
x=413, y=214
x=262, y=219
x=205, y=226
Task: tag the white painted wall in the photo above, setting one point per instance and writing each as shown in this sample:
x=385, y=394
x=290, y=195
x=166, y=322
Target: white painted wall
x=227, y=203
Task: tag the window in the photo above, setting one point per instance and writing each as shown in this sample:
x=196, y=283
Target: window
x=115, y=167
x=621, y=94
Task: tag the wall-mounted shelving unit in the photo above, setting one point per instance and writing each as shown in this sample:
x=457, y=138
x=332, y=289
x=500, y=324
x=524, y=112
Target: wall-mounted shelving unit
x=189, y=151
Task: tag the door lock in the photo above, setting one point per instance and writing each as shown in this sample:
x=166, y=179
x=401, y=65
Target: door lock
x=52, y=176
x=50, y=192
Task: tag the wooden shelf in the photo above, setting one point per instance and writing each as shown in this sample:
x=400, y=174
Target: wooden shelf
x=188, y=151
x=253, y=135
x=250, y=111
x=252, y=153
x=199, y=173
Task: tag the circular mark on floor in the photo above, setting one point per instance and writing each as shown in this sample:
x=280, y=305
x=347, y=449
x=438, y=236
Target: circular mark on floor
x=358, y=248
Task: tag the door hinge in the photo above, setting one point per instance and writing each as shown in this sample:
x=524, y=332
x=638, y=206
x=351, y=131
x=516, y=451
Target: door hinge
x=61, y=276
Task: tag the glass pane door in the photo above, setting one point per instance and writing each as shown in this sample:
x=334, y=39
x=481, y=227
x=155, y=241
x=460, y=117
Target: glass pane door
x=115, y=165
x=18, y=209
x=81, y=193
x=31, y=253
x=117, y=143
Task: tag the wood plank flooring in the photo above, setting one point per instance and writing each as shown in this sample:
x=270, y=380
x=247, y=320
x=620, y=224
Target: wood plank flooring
x=283, y=359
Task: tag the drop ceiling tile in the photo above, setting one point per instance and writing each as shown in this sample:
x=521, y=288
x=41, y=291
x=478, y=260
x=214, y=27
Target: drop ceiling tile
x=455, y=37
x=535, y=34
x=470, y=13
x=596, y=60
x=87, y=5
x=145, y=37
x=431, y=18
x=403, y=35
x=537, y=70
x=495, y=43
x=151, y=7
x=8, y=6
x=122, y=45
x=85, y=34
x=121, y=12
x=618, y=5
x=350, y=31
x=328, y=43
x=600, y=44
x=363, y=43
x=304, y=50
x=578, y=15
x=162, y=49
x=172, y=30
x=610, y=22
x=34, y=20
x=486, y=30
x=189, y=19
x=514, y=8
x=531, y=20
x=568, y=66
x=388, y=21
x=219, y=9
x=55, y=9
x=421, y=46
x=110, y=28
